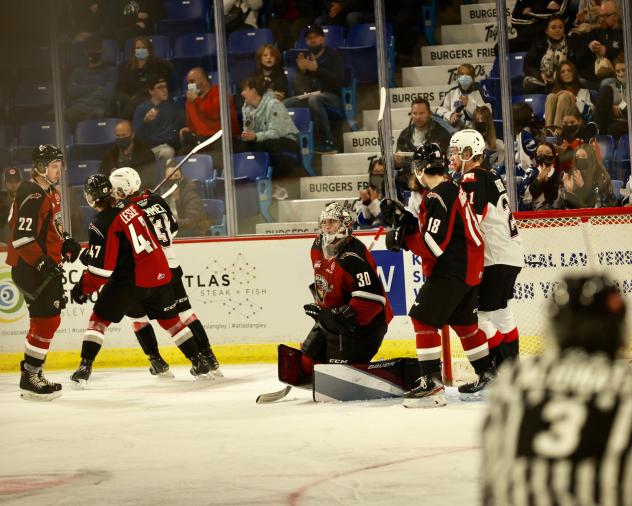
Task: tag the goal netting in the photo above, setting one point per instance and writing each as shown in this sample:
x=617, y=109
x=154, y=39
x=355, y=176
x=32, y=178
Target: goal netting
x=558, y=243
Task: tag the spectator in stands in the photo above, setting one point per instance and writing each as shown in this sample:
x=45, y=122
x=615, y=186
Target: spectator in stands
x=529, y=19
x=289, y=17
x=347, y=13
x=158, y=120
x=544, y=57
x=574, y=133
x=610, y=110
x=90, y=19
x=321, y=75
x=241, y=14
x=526, y=129
x=539, y=190
x=270, y=69
x=131, y=18
x=133, y=75
x=601, y=46
x=91, y=87
x=567, y=93
x=186, y=205
x=626, y=193
x=269, y=127
x=588, y=183
x=587, y=18
x=12, y=180
x=422, y=129
x=461, y=101
x=129, y=151
x=494, y=155
x=369, y=212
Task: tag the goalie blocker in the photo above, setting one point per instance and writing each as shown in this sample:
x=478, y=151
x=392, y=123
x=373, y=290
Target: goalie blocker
x=348, y=382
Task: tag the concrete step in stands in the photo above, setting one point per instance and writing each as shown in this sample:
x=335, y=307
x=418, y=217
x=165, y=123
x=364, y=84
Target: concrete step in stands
x=475, y=32
x=305, y=210
x=439, y=75
x=333, y=186
x=364, y=141
x=296, y=227
x=343, y=164
x=400, y=118
x=484, y=12
x=446, y=54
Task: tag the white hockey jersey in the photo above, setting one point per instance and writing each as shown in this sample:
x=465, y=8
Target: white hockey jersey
x=488, y=196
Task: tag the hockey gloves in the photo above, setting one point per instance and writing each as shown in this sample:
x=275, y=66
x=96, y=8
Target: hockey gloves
x=391, y=210
x=338, y=320
x=395, y=239
x=70, y=248
x=84, y=257
x=48, y=268
x=77, y=295
x=312, y=310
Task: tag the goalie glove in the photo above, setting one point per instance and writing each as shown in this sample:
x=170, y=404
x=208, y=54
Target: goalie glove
x=338, y=320
x=395, y=239
x=312, y=310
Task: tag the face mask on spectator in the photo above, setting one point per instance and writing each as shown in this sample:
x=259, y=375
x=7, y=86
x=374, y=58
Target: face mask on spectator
x=481, y=127
x=142, y=53
x=465, y=81
x=123, y=142
x=315, y=49
x=581, y=164
x=570, y=131
x=193, y=87
x=376, y=181
x=94, y=58
x=544, y=160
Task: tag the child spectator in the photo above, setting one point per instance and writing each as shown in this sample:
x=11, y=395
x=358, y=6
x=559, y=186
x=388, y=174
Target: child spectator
x=270, y=69
x=133, y=75
x=526, y=130
x=610, y=110
x=461, y=101
x=541, y=184
x=494, y=155
x=567, y=92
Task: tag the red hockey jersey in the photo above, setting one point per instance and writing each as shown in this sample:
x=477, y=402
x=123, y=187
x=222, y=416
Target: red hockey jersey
x=35, y=224
x=351, y=278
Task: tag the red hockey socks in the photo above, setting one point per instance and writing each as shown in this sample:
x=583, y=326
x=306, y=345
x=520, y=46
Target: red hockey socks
x=182, y=336
x=38, y=339
x=93, y=338
x=475, y=345
x=428, y=344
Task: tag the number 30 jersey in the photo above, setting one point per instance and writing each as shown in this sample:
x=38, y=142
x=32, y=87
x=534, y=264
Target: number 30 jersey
x=123, y=247
x=488, y=197
x=558, y=430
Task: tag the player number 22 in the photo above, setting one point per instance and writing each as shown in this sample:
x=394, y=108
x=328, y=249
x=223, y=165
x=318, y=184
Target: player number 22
x=363, y=279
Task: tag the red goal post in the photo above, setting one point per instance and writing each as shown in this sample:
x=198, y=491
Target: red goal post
x=557, y=243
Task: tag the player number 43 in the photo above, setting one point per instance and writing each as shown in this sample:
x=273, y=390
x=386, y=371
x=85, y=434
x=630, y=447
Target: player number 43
x=139, y=242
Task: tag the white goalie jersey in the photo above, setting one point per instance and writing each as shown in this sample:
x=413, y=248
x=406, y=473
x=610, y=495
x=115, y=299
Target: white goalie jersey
x=488, y=197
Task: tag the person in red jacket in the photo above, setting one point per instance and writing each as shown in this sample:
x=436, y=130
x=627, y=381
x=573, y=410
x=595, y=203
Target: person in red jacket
x=37, y=244
x=203, y=115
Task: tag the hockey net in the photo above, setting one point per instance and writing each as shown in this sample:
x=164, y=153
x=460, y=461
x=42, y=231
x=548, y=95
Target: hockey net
x=557, y=243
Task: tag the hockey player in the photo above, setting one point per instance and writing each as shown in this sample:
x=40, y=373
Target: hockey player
x=37, y=246
x=126, y=185
x=125, y=259
x=558, y=429
x=439, y=226
x=351, y=309
x=503, y=246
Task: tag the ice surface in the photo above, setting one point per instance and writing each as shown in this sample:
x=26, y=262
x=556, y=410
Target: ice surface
x=133, y=439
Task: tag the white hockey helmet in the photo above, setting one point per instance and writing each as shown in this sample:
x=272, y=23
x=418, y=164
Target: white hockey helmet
x=125, y=182
x=468, y=138
x=337, y=212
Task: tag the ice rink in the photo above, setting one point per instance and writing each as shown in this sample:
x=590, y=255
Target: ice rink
x=132, y=439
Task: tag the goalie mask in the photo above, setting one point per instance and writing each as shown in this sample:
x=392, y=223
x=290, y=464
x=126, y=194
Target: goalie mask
x=335, y=226
x=125, y=182
x=428, y=159
x=466, y=140
x=43, y=156
x=97, y=188
x=589, y=313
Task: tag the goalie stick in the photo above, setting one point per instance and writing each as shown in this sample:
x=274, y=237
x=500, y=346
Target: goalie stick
x=280, y=394
x=197, y=148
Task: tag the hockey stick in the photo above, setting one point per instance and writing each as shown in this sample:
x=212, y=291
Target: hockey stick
x=382, y=137
x=197, y=148
x=173, y=188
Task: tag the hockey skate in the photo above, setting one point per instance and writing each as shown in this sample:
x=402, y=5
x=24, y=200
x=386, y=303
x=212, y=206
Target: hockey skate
x=82, y=374
x=35, y=387
x=475, y=391
x=213, y=362
x=429, y=394
x=159, y=367
x=200, y=369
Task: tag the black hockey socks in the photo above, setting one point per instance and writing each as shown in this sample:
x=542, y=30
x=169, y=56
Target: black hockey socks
x=147, y=339
x=90, y=350
x=200, y=335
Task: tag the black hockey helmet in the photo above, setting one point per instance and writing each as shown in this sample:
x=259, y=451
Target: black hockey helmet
x=429, y=158
x=45, y=154
x=96, y=188
x=589, y=313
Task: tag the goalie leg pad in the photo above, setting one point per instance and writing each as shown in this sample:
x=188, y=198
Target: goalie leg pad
x=290, y=366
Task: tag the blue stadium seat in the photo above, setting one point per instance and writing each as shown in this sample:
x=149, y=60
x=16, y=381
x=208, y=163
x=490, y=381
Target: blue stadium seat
x=360, y=52
x=79, y=171
x=108, y=46
x=606, y=148
x=536, y=102
x=334, y=37
x=31, y=135
x=620, y=168
x=194, y=50
x=214, y=209
x=616, y=188
x=516, y=71
x=248, y=41
x=302, y=118
x=197, y=168
x=93, y=137
x=160, y=44
x=33, y=101
x=184, y=16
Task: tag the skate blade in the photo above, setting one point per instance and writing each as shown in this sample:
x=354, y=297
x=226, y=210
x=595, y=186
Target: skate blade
x=163, y=375
x=31, y=396
x=435, y=401
x=474, y=397
x=205, y=377
x=217, y=373
x=79, y=384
